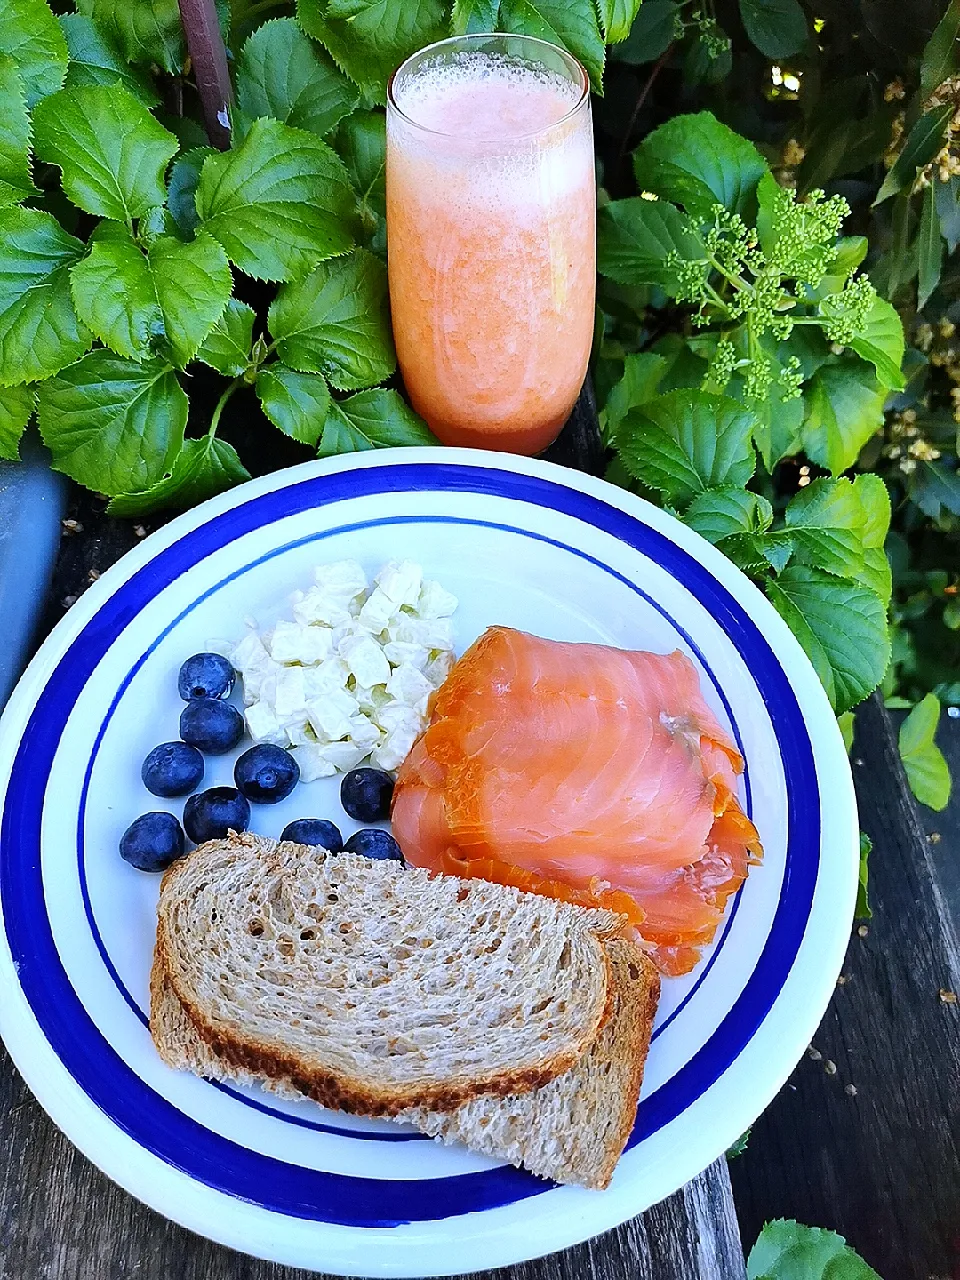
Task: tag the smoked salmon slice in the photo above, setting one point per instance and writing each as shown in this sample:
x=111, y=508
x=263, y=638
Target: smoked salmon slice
x=583, y=772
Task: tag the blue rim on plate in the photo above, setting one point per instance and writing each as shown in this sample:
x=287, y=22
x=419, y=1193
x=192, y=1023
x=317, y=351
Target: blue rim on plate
x=263, y=1180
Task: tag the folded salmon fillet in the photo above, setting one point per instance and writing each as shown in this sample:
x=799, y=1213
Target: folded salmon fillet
x=584, y=772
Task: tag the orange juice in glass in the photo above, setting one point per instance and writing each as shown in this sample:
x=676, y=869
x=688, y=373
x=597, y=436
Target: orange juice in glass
x=491, y=237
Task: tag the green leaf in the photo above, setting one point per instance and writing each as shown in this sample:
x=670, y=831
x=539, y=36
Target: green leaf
x=929, y=248
x=634, y=237
x=935, y=490
x=226, y=347
x=193, y=284
x=472, y=17
x=940, y=56
x=778, y=28
x=278, y=203
x=881, y=342
x=787, y=1251
x=31, y=36
x=778, y=427
x=369, y=39
x=16, y=410
x=845, y=723
x=844, y=404
x=361, y=143
x=842, y=627
x=923, y=142
x=861, y=910
x=182, y=188
x=720, y=513
x=283, y=74
x=688, y=441
x=377, y=419
x=39, y=329
x=335, y=322
x=653, y=30
x=200, y=470
x=642, y=372
x=570, y=23
x=697, y=162
x=874, y=502
x=840, y=526
x=114, y=295
x=947, y=197
x=739, y=1147
x=111, y=151
x=113, y=425
x=95, y=60
x=145, y=32
x=927, y=770
x=297, y=403
x=16, y=183
x=616, y=18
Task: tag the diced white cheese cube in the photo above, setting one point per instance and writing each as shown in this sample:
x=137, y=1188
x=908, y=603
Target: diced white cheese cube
x=250, y=652
x=400, y=582
x=397, y=715
x=300, y=733
x=409, y=685
x=342, y=580
x=438, y=668
x=317, y=606
x=313, y=764
x=290, y=698
x=296, y=642
x=366, y=660
x=432, y=633
x=435, y=601
x=224, y=647
x=378, y=609
x=364, y=733
x=394, y=749
x=343, y=755
x=369, y=700
x=329, y=716
x=263, y=725
x=399, y=652
x=330, y=675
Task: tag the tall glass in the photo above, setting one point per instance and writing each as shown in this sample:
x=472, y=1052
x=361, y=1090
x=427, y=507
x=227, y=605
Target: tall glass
x=491, y=237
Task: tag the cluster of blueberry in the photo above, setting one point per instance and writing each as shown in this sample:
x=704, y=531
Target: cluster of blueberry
x=264, y=774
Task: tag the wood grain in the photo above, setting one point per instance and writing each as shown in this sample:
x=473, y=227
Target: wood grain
x=865, y=1138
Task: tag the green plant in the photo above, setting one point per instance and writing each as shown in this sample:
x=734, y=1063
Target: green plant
x=786, y=1250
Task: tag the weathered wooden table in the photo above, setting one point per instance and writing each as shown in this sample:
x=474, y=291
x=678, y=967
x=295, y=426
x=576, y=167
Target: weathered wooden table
x=879, y=1163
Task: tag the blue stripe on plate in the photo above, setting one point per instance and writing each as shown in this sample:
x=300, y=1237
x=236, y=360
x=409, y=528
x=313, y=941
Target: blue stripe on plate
x=216, y=1161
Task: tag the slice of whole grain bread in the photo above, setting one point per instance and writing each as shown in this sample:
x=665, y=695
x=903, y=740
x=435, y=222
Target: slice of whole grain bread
x=572, y=1129
x=370, y=987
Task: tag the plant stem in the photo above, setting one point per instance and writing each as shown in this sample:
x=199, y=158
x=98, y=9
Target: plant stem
x=218, y=409
x=209, y=57
x=657, y=68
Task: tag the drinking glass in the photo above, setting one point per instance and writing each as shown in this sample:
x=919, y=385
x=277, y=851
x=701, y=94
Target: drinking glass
x=491, y=237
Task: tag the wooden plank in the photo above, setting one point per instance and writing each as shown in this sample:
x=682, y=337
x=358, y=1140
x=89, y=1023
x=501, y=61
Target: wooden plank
x=865, y=1138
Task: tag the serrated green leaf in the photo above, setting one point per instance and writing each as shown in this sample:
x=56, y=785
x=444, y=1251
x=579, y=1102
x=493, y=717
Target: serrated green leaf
x=200, y=470
x=377, y=419
x=653, y=30
x=861, y=910
x=940, y=56
x=16, y=410
x=947, y=197
x=472, y=17
x=361, y=143
x=634, y=237
x=779, y=422
x=16, y=183
x=739, y=1147
x=279, y=203
x=193, y=284
x=31, y=36
x=842, y=627
x=335, y=322
x=844, y=407
x=39, y=329
x=935, y=490
x=114, y=295
x=113, y=425
x=369, y=39
x=697, y=162
x=642, y=372
x=297, y=403
x=720, y=513
x=111, y=151
x=929, y=248
x=787, y=1251
x=923, y=142
x=570, y=23
x=777, y=28
x=924, y=762
x=182, y=188
x=827, y=522
x=845, y=724
x=881, y=342
x=687, y=441
x=95, y=60
x=144, y=32
x=616, y=18
x=226, y=347
x=283, y=74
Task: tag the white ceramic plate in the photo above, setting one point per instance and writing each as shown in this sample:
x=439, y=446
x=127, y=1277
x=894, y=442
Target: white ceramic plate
x=522, y=543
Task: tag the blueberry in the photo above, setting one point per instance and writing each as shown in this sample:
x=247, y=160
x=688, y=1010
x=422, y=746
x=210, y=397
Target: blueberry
x=371, y=842
x=266, y=774
x=314, y=831
x=211, y=814
x=366, y=794
x=152, y=842
x=211, y=725
x=205, y=675
x=172, y=769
